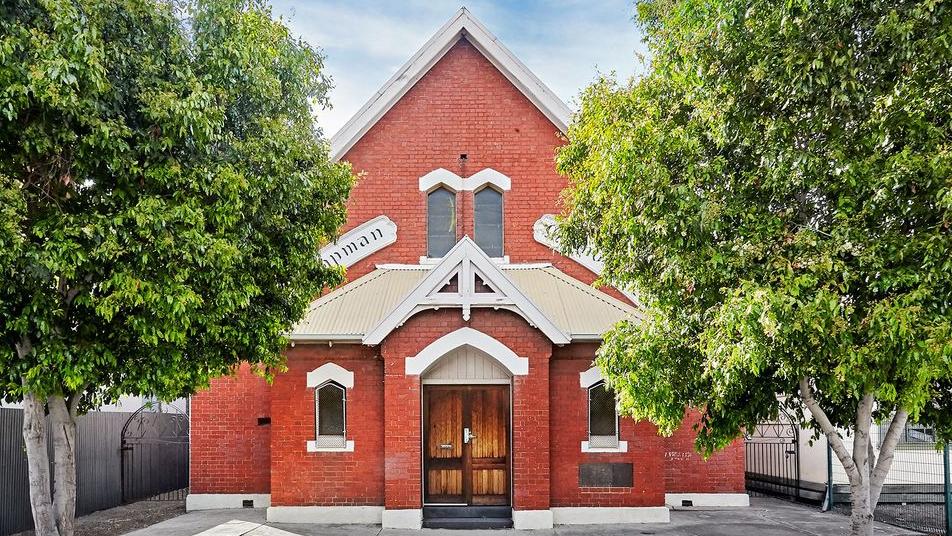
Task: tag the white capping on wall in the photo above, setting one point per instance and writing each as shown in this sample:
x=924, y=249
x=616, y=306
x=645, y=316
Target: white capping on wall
x=330, y=372
x=531, y=519
x=360, y=242
x=402, y=519
x=326, y=515
x=605, y=515
x=708, y=500
x=216, y=501
x=418, y=364
x=488, y=176
x=589, y=378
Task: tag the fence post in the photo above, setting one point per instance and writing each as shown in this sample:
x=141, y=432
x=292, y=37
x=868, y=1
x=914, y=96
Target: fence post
x=829, y=476
x=948, y=490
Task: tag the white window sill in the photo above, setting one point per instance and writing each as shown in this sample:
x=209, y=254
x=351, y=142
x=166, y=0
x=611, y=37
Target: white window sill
x=312, y=447
x=622, y=447
x=430, y=261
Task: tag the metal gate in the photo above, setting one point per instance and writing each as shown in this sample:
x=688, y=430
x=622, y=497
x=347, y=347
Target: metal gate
x=154, y=449
x=772, y=458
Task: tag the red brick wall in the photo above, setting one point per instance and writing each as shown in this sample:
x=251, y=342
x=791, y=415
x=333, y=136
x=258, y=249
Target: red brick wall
x=230, y=451
x=569, y=427
x=530, y=412
x=299, y=477
x=687, y=472
x=462, y=105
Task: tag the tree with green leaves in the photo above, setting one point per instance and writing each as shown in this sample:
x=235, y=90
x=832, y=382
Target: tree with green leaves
x=163, y=197
x=777, y=189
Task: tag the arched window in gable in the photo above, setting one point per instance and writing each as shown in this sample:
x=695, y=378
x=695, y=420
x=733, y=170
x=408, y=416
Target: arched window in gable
x=440, y=222
x=487, y=218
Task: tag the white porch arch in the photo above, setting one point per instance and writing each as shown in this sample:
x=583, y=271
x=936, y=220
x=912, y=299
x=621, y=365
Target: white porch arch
x=418, y=364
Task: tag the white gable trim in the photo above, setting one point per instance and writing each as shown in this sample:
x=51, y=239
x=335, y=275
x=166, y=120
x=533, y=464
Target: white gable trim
x=589, y=378
x=542, y=231
x=360, y=242
x=465, y=258
x=330, y=372
x=418, y=364
x=456, y=183
x=461, y=24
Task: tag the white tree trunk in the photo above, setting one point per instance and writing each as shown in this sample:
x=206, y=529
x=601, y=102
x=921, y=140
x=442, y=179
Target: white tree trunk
x=64, y=464
x=866, y=474
x=38, y=464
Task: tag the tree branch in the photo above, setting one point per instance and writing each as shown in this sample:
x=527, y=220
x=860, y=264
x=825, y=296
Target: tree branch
x=836, y=443
x=886, y=452
x=861, y=444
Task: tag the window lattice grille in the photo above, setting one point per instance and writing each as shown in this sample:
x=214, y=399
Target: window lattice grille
x=602, y=417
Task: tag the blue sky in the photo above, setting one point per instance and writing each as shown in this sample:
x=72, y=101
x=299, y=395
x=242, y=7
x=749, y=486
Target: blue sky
x=565, y=42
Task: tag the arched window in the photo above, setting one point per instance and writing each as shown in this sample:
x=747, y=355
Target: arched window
x=440, y=222
x=330, y=416
x=602, y=417
x=487, y=219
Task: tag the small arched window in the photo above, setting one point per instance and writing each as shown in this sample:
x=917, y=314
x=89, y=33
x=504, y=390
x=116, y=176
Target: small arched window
x=602, y=417
x=330, y=416
x=440, y=222
x=487, y=217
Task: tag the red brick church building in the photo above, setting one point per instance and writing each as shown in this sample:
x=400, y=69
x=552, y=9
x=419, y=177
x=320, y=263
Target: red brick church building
x=450, y=382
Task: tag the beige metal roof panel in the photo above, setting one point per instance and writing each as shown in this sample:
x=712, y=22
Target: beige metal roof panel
x=577, y=308
x=350, y=311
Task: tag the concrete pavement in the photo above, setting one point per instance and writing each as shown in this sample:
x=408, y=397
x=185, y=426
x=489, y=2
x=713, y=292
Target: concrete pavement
x=765, y=517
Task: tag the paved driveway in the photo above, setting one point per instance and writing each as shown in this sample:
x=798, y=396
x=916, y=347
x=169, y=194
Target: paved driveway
x=765, y=517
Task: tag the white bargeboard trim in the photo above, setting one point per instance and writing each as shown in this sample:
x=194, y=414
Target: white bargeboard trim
x=326, y=515
x=502, y=354
x=607, y=515
x=217, y=501
x=531, y=519
x=707, y=500
x=465, y=258
x=461, y=24
x=411, y=518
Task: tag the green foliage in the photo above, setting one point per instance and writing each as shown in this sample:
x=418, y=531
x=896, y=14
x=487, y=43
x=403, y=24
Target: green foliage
x=163, y=193
x=778, y=191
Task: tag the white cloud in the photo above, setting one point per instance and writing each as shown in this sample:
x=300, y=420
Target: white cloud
x=565, y=42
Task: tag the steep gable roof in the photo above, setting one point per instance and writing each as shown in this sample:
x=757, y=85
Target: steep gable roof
x=462, y=24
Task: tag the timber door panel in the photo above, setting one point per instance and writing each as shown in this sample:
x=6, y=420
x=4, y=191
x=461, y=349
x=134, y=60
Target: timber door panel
x=474, y=472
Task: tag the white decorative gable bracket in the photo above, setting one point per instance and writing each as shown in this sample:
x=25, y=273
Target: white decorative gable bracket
x=463, y=264
x=360, y=242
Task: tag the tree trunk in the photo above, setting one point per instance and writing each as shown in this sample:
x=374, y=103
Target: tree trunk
x=38, y=463
x=64, y=464
x=861, y=517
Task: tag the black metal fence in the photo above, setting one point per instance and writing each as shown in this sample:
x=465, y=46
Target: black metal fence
x=917, y=494
x=120, y=457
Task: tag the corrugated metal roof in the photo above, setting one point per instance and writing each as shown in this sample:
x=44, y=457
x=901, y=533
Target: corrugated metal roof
x=350, y=311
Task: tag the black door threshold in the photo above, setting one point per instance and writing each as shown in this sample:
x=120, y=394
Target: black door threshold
x=467, y=517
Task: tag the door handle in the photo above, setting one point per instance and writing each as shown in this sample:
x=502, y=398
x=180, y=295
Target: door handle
x=467, y=435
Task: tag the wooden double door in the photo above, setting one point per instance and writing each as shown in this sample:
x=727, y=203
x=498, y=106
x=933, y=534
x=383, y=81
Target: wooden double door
x=466, y=444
